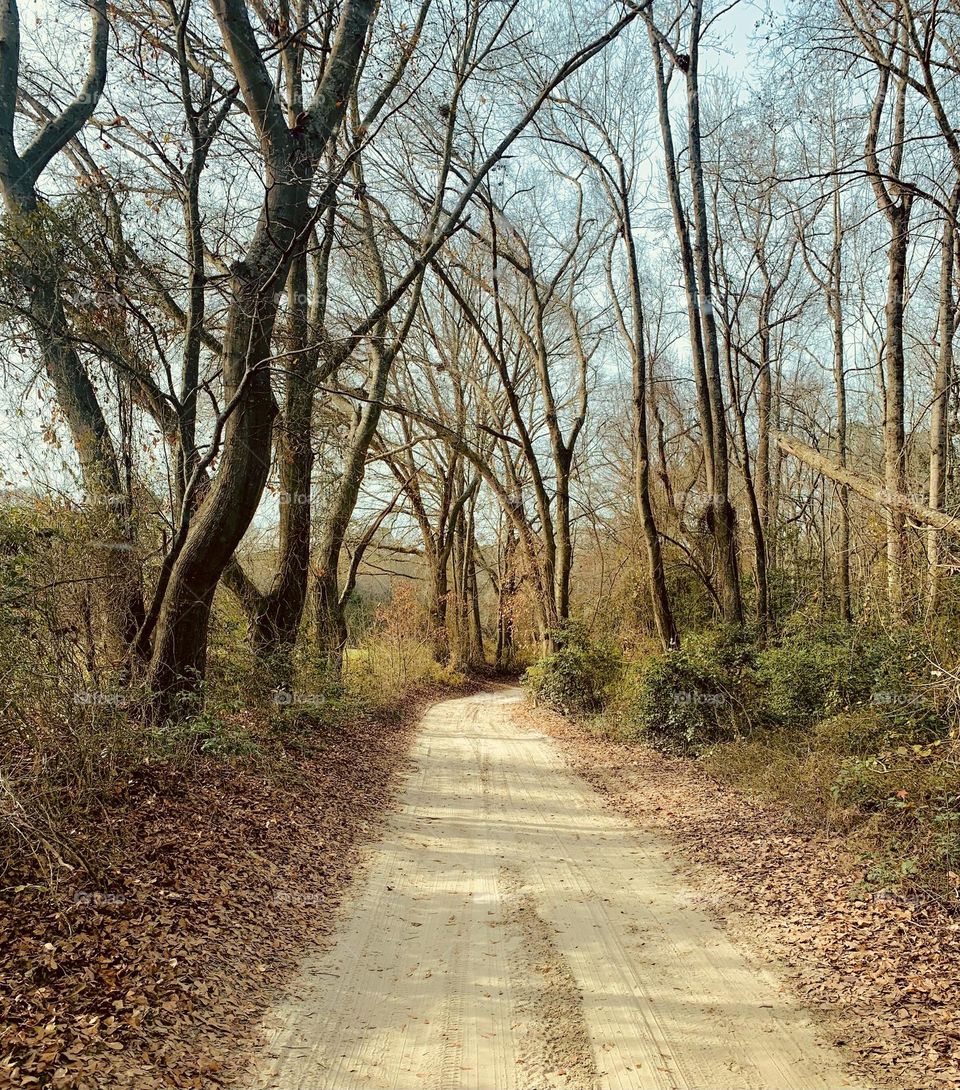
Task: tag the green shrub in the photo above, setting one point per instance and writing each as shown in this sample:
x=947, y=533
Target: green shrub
x=841, y=725
x=818, y=668
x=577, y=677
x=684, y=700
x=904, y=778
x=804, y=683
x=817, y=671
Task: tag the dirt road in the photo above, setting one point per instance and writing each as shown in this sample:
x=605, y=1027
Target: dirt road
x=510, y=932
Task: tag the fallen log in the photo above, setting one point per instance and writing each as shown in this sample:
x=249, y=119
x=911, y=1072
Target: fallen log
x=869, y=489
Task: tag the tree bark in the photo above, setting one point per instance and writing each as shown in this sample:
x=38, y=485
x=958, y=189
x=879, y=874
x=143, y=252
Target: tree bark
x=276, y=621
x=896, y=203
x=290, y=155
x=721, y=511
x=119, y=595
x=943, y=380
x=834, y=303
x=695, y=263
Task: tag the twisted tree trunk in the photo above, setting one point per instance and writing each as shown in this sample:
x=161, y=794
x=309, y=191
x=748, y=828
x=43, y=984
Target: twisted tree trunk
x=207, y=541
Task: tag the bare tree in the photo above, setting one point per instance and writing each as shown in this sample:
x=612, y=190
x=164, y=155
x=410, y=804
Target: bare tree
x=33, y=230
x=691, y=229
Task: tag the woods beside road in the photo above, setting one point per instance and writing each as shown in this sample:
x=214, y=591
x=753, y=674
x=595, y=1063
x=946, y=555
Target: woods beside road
x=491, y=892
x=356, y=355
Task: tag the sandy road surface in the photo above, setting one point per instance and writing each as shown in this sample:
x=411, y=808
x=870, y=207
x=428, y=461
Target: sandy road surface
x=510, y=932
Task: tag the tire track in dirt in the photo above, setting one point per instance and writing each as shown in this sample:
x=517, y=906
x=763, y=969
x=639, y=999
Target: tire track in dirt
x=508, y=931
x=553, y=1036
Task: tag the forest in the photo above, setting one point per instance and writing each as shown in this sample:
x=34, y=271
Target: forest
x=556, y=399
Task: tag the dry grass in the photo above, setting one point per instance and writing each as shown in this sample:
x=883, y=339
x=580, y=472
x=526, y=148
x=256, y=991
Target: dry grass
x=899, y=808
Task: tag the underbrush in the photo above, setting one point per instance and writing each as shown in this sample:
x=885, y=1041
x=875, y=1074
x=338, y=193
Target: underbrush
x=69, y=751
x=899, y=806
x=75, y=741
x=129, y=850
x=851, y=729
x=576, y=678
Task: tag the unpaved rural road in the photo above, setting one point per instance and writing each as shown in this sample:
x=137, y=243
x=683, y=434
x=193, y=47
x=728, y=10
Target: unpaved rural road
x=508, y=932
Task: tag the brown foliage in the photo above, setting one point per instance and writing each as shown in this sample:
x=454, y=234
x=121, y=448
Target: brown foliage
x=146, y=978
x=883, y=970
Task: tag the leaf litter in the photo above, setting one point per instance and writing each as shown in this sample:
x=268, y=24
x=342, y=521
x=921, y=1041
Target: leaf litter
x=154, y=974
x=881, y=971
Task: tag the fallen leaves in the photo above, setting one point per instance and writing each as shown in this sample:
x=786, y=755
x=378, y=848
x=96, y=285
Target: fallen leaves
x=882, y=970
x=216, y=882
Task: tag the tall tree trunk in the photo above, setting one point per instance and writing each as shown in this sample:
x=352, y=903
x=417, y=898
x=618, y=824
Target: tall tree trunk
x=474, y=622
x=331, y=625
x=438, y=608
x=506, y=593
x=943, y=379
x=695, y=264
x=178, y=665
x=894, y=459
x=895, y=201
x=759, y=496
x=330, y=619
x=722, y=514
x=753, y=502
x=467, y=643
x=118, y=589
x=564, y=538
x=687, y=263
x=656, y=571
x=276, y=621
x=636, y=340
x=834, y=302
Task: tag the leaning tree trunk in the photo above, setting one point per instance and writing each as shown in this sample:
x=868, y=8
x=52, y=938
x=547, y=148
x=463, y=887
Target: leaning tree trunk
x=178, y=665
x=874, y=491
x=205, y=547
x=117, y=590
x=331, y=624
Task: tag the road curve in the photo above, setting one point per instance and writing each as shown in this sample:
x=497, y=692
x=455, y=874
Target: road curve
x=509, y=932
